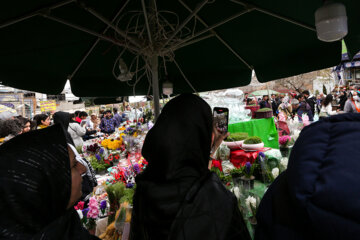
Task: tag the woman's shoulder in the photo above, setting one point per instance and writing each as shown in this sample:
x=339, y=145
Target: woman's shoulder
x=214, y=186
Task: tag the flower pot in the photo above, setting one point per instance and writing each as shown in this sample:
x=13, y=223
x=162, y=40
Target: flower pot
x=253, y=110
x=267, y=114
x=252, y=147
x=234, y=145
x=248, y=183
x=236, y=178
x=284, y=151
x=253, y=223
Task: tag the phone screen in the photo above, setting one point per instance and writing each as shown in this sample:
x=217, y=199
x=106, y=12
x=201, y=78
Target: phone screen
x=221, y=119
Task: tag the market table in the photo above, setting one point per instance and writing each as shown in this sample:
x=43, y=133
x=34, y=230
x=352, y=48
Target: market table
x=264, y=128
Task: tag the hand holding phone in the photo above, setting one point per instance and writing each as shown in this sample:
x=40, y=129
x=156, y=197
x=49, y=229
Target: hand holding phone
x=220, y=131
x=221, y=119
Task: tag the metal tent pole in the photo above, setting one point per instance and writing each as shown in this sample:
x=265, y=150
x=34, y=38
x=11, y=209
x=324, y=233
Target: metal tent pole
x=154, y=61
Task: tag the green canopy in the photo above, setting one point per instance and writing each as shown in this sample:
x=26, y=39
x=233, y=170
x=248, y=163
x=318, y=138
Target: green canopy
x=198, y=45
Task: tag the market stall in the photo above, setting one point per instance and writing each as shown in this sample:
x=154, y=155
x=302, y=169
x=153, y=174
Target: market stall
x=116, y=159
x=264, y=128
x=247, y=163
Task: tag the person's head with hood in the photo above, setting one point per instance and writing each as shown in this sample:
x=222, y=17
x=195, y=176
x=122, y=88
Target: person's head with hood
x=63, y=119
x=177, y=177
x=39, y=186
x=180, y=140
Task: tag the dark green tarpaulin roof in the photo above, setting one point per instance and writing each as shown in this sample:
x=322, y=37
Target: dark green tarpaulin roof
x=39, y=54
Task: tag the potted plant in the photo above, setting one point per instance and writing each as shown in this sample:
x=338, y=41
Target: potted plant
x=264, y=113
x=235, y=140
x=92, y=215
x=252, y=204
x=253, y=143
x=236, y=174
x=248, y=178
x=284, y=142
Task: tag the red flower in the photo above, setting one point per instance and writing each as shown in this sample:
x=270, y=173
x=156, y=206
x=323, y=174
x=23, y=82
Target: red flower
x=79, y=206
x=216, y=164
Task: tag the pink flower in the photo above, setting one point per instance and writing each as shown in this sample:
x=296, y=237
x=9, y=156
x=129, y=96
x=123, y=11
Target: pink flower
x=93, y=208
x=284, y=140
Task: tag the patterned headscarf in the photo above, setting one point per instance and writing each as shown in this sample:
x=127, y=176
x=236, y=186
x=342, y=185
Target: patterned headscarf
x=35, y=188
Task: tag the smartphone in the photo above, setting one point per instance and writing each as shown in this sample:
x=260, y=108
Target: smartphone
x=221, y=119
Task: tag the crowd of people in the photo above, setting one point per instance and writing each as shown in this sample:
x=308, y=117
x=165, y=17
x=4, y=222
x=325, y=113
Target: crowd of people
x=81, y=126
x=291, y=105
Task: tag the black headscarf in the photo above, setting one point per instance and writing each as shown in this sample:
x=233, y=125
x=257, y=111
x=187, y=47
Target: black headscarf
x=35, y=188
x=177, y=149
x=180, y=140
x=63, y=118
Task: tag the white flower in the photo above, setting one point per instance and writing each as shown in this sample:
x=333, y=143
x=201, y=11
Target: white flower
x=275, y=172
x=250, y=201
x=80, y=213
x=296, y=134
x=236, y=191
x=284, y=162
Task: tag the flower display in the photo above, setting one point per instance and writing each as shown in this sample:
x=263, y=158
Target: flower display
x=112, y=144
x=251, y=203
x=101, y=150
x=248, y=169
x=79, y=206
x=284, y=140
x=93, y=148
x=136, y=168
x=93, y=208
x=103, y=205
x=85, y=212
x=129, y=185
x=284, y=162
x=236, y=192
x=98, y=157
x=275, y=172
x=84, y=215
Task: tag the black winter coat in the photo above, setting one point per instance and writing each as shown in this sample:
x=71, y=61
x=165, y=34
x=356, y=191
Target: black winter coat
x=209, y=211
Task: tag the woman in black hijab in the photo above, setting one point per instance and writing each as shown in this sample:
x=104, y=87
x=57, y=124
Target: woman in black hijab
x=89, y=179
x=40, y=182
x=177, y=197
